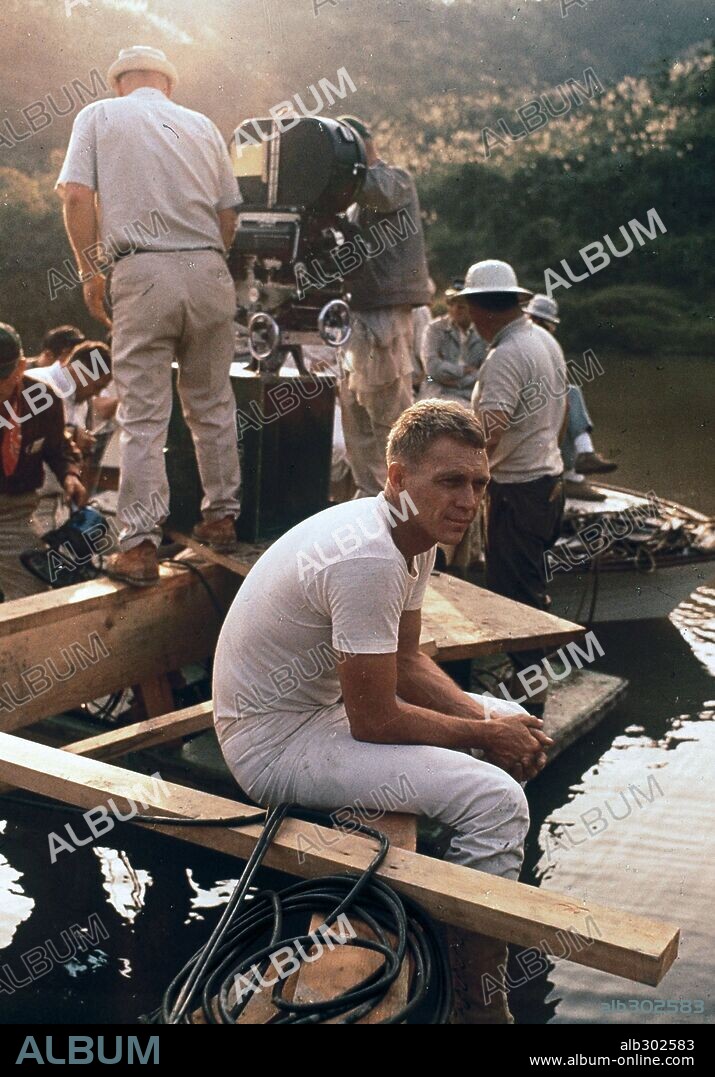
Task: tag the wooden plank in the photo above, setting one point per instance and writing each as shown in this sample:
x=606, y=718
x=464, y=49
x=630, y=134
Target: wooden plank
x=241, y=562
x=577, y=705
x=343, y=968
x=614, y=941
x=466, y=621
x=154, y=696
x=64, y=648
x=142, y=735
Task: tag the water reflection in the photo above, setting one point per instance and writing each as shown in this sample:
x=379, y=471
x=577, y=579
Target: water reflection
x=15, y=906
x=633, y=827
x=695, y=620
x=125, y=886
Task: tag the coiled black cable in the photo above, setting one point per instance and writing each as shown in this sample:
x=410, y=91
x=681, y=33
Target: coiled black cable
x=249, y=933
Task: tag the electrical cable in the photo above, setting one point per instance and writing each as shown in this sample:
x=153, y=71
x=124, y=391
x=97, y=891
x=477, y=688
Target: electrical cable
x=191, y=567
x=251, y=931
x=249, y=935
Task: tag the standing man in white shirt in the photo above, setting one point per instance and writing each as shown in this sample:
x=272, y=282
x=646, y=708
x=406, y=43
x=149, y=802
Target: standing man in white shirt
x=521, y=399
x=148, y=186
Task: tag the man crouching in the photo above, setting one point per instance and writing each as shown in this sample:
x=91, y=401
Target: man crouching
x=321, y=693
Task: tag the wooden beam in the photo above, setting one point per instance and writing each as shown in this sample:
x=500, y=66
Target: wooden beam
x=142, y=735
x=64, y=648
x=612, y=940
x=154, y=696
x=466, y=621
x=241, y=562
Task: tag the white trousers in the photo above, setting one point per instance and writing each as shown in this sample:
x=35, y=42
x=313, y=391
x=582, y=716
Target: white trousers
x=323, y=767
x=173, y=306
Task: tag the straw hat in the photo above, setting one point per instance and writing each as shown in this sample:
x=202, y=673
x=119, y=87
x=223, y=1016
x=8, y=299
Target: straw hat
x=142, y=58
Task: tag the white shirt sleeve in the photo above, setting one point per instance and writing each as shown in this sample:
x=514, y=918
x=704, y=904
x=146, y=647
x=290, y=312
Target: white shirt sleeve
x=80, y=163
x=499, y=384
x=365, y=598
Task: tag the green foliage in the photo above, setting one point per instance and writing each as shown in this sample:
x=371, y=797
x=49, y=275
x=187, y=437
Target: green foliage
x=637, y=320
x=538, y=208
x=33, y=241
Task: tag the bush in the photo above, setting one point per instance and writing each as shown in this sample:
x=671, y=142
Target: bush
x=638, y=319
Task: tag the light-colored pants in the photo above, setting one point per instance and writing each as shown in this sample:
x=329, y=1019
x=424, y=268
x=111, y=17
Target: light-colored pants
x=323, y=767
x=376, y=390
x=174, y=305
x=16, y=536
x=579, y=422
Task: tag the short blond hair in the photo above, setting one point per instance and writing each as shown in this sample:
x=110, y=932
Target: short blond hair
x=420, y=425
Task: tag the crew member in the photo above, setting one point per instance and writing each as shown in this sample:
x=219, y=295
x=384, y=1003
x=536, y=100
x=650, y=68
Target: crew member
x=57, y=344
x=391, y=279
x=32, y=434
x=577, y=448
x=162, y=172
x=520, y=397
x=86, y=372
x=452, y=351
x=333, y=698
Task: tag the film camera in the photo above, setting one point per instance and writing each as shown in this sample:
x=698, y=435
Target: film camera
x=297, y=182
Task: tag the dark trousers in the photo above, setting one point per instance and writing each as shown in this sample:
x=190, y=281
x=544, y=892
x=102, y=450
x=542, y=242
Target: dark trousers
x=523, y=522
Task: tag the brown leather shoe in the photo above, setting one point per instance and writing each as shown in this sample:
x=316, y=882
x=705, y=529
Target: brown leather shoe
x=220, y=535
x=592, y=463
x=582, y=491
x=138, y=566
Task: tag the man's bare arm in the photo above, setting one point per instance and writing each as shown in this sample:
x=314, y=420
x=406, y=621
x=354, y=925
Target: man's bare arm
x=80, y=217
x=377, y=716
x=227, y=222
x=422, y=682
x=494, y=423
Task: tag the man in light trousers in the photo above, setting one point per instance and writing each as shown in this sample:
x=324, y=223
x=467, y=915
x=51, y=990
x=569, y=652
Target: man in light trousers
x=148, y=188
x=323, y=698
x=391, y=280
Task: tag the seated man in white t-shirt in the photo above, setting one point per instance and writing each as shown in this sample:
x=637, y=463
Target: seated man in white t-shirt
x=322, y=696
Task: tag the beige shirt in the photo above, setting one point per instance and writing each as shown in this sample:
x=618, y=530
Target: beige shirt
x=525, y=376
x=161, y=172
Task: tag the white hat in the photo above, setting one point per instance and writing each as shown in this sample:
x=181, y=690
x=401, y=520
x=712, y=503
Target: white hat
x=543, y=307
x=142, y=58
x=492, y=276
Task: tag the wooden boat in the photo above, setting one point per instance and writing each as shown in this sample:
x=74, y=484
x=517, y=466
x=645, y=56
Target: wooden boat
x=632, y=557
x=654, y=554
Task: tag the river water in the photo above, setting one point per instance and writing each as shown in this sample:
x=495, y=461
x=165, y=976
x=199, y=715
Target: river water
x=624, y=818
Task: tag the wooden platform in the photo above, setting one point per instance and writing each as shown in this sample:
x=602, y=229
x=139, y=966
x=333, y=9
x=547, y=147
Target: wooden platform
x=64, y=648
x=612, y=940
x=576, y=706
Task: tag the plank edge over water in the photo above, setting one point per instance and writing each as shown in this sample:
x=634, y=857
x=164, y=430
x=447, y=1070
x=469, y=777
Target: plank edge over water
x=625, y=944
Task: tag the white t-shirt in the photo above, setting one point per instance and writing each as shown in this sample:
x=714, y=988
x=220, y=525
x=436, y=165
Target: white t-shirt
x=59, y=377
x=335, y=584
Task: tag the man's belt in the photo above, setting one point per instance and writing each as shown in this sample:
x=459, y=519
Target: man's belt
x=172, y=250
